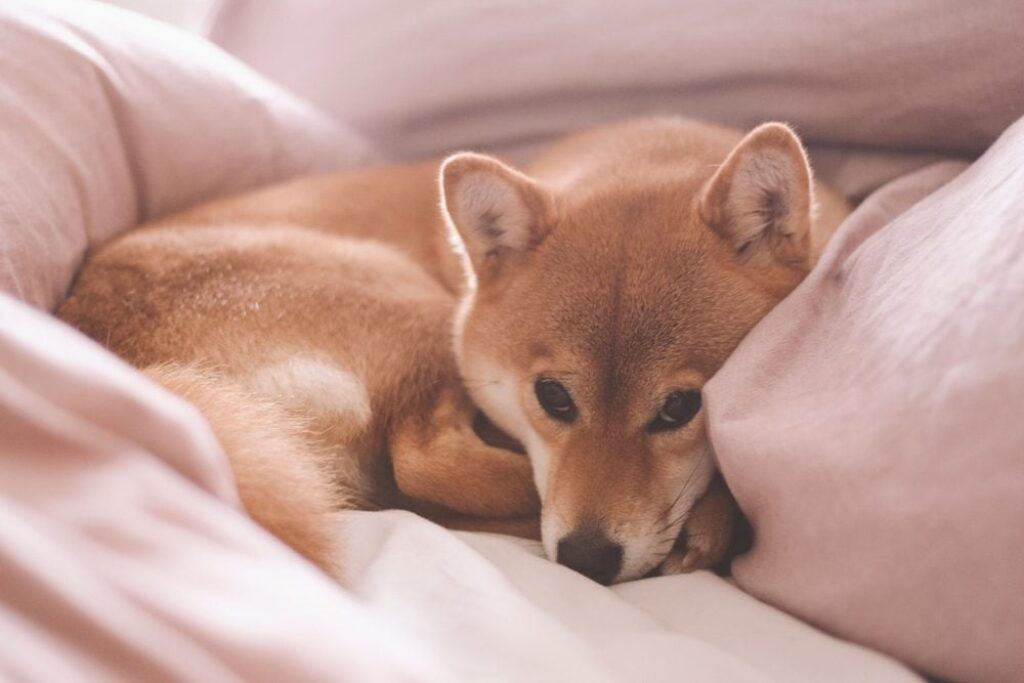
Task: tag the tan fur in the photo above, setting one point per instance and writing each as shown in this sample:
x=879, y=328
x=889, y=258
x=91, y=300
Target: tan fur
x=425, y=470
x=313, y=356
x=707, y=533
x=311, y=323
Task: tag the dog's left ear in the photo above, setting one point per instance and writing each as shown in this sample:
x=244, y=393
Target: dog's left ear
x=496, y=212
x=760, y=200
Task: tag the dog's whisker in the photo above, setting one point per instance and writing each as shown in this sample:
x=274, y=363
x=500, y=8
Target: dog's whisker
x=672, y=505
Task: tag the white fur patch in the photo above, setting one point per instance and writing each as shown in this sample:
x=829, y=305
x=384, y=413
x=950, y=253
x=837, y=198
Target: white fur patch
x=553, y=528
x=540, y=460
x=490, y=212
x=496, y=391
x=315, y=386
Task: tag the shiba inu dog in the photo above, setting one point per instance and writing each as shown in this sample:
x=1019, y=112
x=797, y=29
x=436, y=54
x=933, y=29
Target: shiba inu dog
x=609, y=283
x=589, y=299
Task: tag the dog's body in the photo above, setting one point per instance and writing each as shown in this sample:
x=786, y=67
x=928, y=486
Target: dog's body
x=311, y=322
x=333, y=351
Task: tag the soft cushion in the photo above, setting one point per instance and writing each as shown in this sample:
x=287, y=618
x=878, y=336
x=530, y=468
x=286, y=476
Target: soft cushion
x=861, y=82
x=108, y=119
x=871, y=426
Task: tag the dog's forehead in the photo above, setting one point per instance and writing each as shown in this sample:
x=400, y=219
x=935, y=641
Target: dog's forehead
x=627, y=329
x=628, y=307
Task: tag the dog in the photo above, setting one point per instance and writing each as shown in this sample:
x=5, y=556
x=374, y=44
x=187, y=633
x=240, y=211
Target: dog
x=340, y=346
x=610, y=282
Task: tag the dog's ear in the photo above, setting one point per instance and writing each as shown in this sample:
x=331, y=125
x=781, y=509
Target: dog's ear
x=495, y=212
x=760, y=200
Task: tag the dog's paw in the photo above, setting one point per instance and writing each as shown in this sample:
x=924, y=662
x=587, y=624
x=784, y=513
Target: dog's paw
x=698, y=551
x=706, y=538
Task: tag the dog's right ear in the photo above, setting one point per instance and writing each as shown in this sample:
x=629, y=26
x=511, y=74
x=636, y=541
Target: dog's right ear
x=760, y=200
x=495, y=212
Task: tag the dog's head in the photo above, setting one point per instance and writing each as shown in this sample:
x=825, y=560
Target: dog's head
x=601, y=303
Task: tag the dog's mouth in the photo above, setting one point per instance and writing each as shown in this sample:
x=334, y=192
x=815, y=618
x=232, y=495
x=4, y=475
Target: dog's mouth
x=490, y=434
x=740, y=542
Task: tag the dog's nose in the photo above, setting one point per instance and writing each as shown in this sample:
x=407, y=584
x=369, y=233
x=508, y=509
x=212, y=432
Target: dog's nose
x=592, y=554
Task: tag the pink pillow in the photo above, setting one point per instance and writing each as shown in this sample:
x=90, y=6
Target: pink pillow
x=872, y=426
x=108, y=119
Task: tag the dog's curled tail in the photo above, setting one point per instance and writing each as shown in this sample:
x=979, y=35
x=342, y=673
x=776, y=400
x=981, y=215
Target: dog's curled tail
x=280, y=471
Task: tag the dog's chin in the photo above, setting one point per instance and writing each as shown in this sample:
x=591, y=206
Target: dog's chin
x=640, y=566
x=638, y=559
x=646, y=553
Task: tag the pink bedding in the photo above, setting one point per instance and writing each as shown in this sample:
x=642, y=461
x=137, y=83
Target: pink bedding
x=870, y=426
x=101, y=129
x=876, y=88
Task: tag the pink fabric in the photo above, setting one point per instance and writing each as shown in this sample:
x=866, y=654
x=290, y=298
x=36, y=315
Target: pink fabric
x=108, y=119
x=871, y=426
x=123, y=553
x=877, y=87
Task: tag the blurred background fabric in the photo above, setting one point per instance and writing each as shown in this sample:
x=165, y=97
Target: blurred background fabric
x=187, y=14
x=876, y=89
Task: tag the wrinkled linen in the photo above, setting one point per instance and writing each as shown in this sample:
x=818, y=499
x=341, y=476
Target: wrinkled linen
x=493, y=608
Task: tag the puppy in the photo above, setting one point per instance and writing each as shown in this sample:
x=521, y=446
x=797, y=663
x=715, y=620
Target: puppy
x=588, y=298
x=608, y=283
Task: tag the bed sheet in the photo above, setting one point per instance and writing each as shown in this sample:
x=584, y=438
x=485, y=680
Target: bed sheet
x=490, y=607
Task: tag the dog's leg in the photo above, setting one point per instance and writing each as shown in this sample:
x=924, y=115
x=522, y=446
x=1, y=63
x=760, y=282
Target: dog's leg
x=707, y=534
x=441, y=460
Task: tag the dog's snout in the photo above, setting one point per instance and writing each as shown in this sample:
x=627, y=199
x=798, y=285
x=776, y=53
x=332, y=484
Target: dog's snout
x=592, y=554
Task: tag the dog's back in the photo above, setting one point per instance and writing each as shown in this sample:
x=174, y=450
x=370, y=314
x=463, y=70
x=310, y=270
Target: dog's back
x=297, y=344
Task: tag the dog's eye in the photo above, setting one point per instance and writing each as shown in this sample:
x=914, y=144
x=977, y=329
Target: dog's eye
x=555, y=400
x=679, y=408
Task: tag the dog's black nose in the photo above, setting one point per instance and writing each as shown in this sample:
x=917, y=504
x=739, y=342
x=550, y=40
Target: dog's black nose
x=592, y=554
